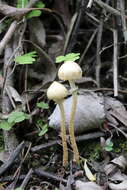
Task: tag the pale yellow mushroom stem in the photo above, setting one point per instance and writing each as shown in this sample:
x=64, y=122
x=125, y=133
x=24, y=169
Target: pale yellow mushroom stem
x=72, y=121
x=63, y=133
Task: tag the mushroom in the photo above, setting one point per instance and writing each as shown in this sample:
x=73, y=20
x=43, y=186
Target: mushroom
x=57, y=92
x=71, y=71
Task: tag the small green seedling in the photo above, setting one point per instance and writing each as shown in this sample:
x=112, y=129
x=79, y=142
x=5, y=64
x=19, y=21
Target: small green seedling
x=43, y=128
x=5, y=125
x=108, y=145
x=68, y=57
x=42, y=105
x=28, y=58
x=17, y=116
x=34, y=13
x=13, y=118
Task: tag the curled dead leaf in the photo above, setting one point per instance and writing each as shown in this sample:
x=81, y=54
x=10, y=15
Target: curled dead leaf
x=87, y=185
x=120, y=186
x=120, y=161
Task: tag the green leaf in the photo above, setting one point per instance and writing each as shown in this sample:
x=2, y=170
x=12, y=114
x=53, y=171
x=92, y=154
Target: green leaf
x=36, y=13
x=27, y=58
x=22, y=3
x=19, y=119
x=72, y=56
x=5, y=125
x=68, y=57
x=27, y=116
x=19, y=188
x=43, y=130
x=109, y=145
x=42, y=105
x=60, y=59
x=14, y=115
x=108, y=148
x=17, y=116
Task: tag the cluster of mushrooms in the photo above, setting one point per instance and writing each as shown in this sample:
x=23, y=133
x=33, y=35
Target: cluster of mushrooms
x=69, y=71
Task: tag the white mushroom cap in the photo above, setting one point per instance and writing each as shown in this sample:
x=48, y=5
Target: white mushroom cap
x=70, y=70
x=56, y=91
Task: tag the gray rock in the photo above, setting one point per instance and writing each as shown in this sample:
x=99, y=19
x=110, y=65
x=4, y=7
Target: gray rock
x=92, y=110
x=89, y=114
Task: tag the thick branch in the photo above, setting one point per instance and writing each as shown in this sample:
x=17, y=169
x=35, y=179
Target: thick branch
x=8, y=36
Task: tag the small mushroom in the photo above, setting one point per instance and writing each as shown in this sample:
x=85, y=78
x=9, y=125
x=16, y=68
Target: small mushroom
x=57, y=92
x=71, y=71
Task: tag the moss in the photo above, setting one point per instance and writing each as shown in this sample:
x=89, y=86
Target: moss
x=91, y=150
x=120, y=145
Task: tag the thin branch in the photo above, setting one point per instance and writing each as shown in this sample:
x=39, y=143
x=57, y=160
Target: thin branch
x=107, y=7
x=3, y=19
x=12, y=158
x=42, y=173
x=8, y=36
x=123, y=18
x=115, y=62
x=88, y=46
x=90, y=3
x=98, y=55
x=26, y=180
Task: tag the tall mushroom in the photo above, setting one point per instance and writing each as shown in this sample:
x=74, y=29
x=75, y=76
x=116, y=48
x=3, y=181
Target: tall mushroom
x=71, y=71
x=57, y=92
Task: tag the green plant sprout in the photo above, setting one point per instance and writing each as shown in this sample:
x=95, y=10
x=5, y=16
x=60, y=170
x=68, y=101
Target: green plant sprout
x=68, y=57
x=34, y=13
x=42, y=105
x=42, y=126
x=108, y=145
x=28, y=58
x=13, y=118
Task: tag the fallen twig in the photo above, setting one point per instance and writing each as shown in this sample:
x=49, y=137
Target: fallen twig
x=42, y=173
x=10, y=178
x=12, y=158
x=43, y=146
x=107, y=7
x=27, y=178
